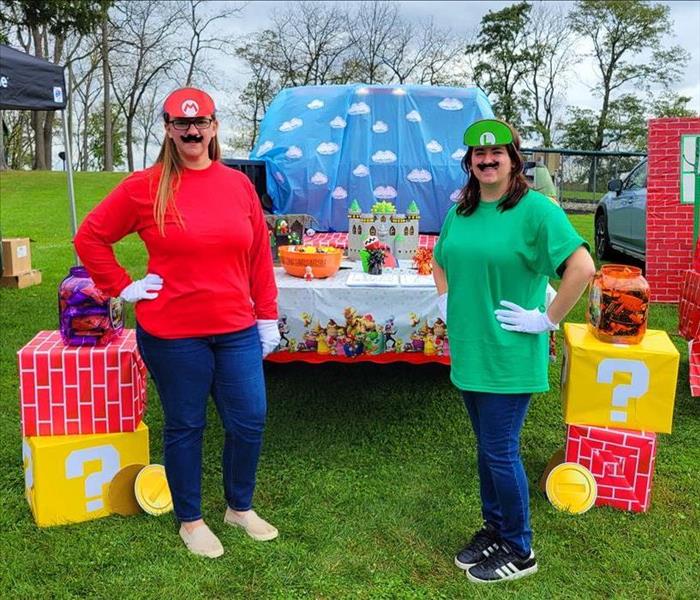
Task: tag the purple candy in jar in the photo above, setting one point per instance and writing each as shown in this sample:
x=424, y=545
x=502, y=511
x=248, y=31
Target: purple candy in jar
x=79, y=299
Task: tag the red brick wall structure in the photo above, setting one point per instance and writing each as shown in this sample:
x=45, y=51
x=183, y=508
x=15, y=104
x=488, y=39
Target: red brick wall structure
x=669, y=221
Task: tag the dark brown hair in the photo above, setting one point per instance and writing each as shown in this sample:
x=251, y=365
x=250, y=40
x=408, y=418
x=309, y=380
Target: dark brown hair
x=470, y=194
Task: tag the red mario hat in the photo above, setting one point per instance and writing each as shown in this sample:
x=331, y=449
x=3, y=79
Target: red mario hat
x=188, y=103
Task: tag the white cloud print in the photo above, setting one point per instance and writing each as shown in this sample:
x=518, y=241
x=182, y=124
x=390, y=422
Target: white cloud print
x=450, y=104
x=433, y=146
x=454, y=196
x=380, y=127
x=294, y=152
x=358, y=108
x=265, y=146
x=327, y=148
x=315, y=104
x=384, y=156
x=338, y=122
x=339, y=193
x=419, y=176
x=458, y=154
x=413, y=116
x=360, y=171
x=384, y=192
x=319, y=178
x=291, y=124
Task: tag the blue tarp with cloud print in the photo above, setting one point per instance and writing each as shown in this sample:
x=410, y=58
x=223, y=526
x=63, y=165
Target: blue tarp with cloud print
x=325, y=146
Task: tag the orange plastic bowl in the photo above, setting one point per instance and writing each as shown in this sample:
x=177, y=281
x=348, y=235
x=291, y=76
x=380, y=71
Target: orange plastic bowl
x=323, y=264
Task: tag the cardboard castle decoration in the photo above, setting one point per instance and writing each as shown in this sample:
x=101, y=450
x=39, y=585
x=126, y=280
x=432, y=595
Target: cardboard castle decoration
x=398, y=231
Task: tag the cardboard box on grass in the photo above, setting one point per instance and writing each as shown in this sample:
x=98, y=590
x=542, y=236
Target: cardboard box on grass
x=80, y=390
x=21, y=281
x=618, y=385
x=67, y=477
x=16, y=256
x=621, y=461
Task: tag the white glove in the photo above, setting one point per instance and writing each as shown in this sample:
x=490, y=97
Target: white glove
x=549, y=295
x=442, y=306
x=269, y=335
x=523, y=320
x=143, y=289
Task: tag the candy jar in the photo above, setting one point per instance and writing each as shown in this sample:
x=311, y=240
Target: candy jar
x=618, y=304
x=87, y=317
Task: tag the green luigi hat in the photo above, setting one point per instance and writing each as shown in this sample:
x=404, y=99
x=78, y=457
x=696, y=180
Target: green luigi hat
x=488, y=132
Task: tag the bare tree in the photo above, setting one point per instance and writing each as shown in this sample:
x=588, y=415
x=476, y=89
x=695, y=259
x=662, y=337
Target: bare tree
x=85, y=89
x=372, y=29
x=147, y=116
x=106, y=92
x=200, y=20
x=425, y=54
x=143, y=50
x=550, y=57
x=260, y=89
x=307, y=43
x=17, y=138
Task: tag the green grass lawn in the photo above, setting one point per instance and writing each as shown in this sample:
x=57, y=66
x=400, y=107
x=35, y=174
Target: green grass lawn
x=373, y=486
x=582, y=196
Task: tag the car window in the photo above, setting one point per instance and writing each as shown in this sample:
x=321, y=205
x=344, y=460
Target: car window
x=638, y=178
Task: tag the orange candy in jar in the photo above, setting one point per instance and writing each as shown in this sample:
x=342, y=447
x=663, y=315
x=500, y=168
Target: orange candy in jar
x=618, y=304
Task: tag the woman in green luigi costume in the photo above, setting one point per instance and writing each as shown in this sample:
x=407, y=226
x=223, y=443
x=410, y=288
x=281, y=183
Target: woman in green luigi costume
x=498, y=247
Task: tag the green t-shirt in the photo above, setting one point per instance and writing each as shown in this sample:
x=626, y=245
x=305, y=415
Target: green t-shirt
x=495, y=255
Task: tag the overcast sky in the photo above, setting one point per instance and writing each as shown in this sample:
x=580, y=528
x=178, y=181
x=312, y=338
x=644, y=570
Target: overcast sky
x=464, y=17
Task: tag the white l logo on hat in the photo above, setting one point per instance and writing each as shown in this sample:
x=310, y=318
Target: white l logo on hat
x=487, y=139
x=190, y=108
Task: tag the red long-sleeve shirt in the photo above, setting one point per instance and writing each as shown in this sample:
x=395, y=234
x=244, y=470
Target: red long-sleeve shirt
x=217, y=270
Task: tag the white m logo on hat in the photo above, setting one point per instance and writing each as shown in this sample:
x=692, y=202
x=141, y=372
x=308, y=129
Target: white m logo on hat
x=190, y=108
x=487, y=139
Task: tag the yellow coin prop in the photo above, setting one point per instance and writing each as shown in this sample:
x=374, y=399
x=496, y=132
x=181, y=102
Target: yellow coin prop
x=120, y=496
x=152, y=491
x=571, y=488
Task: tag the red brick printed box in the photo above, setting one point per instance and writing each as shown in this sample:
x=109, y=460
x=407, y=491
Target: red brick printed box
x=621, y=461
x=79, y=390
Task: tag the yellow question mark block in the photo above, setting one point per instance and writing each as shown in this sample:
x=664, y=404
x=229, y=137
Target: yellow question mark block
x=67, y=477
x=618, y=385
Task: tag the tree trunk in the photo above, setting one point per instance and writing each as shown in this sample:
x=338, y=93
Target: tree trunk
x=129, y=139
x=39, y=151
x=107, y=115
x=3, y=163
x=48, y=138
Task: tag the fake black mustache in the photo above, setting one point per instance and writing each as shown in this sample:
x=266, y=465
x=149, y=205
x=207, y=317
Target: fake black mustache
x=483, y=166
x=191, y=138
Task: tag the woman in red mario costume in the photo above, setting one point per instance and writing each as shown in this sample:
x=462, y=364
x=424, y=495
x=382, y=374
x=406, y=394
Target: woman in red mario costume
x=206, y=311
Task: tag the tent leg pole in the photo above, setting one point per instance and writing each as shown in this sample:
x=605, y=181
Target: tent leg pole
x=71, y=192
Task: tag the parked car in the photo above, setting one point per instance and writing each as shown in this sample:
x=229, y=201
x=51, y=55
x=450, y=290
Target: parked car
x=620, y=218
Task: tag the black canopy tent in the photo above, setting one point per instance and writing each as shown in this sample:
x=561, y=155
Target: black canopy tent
x=31, y=83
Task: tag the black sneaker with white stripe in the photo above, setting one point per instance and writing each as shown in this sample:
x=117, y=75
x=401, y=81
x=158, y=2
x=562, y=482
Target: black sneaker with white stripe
x=483, y=543
x=503, y=565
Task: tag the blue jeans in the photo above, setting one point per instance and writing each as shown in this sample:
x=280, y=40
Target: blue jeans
x=186, y=371
x=497, y=420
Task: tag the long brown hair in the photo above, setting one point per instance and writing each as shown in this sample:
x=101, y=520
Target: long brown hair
x=169, y=179
x=470, y=194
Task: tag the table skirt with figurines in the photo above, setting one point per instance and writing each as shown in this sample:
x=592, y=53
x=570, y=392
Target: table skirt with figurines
x=354, y=316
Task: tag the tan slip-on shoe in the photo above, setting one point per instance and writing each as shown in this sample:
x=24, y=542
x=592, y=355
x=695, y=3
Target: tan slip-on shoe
x=254, y=526
x=202, y=542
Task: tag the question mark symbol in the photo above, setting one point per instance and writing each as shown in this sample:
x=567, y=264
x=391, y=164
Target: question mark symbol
x=28, y=468
x=75, y=467
x=637, y=387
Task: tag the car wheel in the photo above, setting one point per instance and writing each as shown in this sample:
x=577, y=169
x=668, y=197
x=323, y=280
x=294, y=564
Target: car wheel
x=602, y=241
